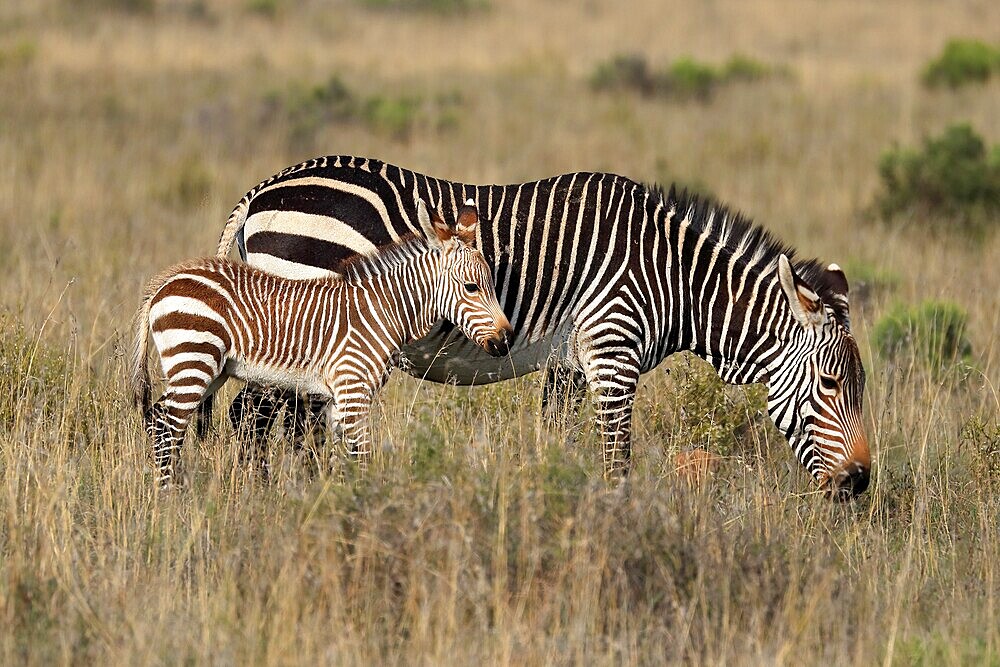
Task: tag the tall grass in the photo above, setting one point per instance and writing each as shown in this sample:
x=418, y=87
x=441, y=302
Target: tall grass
x=482, y=534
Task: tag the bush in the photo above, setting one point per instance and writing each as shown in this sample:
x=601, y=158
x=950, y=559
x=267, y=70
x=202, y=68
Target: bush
x=265, y=8
x=687, y=77
x=962, y=61
x=391, y=115
x=309, y=108
x=712, y=417
x=431, y=6
x=932, y=334
x=954, y=176
x=868, y=280
x=623, y=72
x=684, y=78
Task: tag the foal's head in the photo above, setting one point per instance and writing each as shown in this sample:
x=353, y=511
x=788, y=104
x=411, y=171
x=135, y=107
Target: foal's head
x=464, y=292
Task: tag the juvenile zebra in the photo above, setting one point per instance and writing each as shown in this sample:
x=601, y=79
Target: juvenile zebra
x=331, y=338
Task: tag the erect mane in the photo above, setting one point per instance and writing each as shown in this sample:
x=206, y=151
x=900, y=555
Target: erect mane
x=361, y=267
x=738, y=234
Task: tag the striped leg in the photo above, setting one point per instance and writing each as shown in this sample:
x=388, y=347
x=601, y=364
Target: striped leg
x=168, y=419
x=351, y=409
x=612, y=370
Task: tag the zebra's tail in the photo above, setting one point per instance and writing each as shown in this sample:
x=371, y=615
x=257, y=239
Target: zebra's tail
x=140, y=371
x=233, y=225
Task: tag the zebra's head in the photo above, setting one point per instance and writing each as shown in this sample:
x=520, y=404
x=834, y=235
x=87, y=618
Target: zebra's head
x=465, y=292
x=816, y=387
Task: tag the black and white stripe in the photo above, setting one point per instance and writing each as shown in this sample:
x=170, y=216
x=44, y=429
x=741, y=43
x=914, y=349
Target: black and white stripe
x=600, y=276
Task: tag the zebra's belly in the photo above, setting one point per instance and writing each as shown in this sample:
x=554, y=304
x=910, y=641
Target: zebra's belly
x=298, y=381
x=446, y=355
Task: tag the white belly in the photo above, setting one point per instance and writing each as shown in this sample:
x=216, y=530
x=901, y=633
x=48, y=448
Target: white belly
x=301, y=382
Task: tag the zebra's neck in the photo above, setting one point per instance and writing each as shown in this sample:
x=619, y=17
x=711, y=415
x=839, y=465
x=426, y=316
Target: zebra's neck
x=403, y=292
x=723, y=299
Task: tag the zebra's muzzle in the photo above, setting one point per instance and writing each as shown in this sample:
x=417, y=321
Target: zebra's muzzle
x=500, y=345
x=850, y=481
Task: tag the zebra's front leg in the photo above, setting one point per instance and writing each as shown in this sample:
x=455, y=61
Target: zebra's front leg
x=613, y=376
x=351, y=409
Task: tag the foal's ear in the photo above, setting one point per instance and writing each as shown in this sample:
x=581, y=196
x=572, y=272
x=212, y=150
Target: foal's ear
x=468, y=223
x=438, y=230
x=807, y=307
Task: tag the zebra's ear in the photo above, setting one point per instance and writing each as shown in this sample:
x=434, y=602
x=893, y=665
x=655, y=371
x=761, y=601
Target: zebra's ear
x=468, y=222
x=806, y=306
x=838, y=284
x=438, y=232
x=442, y=232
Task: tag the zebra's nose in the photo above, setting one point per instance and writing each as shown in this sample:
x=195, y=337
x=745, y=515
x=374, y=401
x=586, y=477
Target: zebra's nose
x=500, y=345
x=851, y=480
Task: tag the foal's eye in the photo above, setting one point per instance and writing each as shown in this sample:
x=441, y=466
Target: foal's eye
x=828, y=382
x=471, y=288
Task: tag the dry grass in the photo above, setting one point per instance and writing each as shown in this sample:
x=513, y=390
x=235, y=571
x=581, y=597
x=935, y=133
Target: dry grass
x=481, y=535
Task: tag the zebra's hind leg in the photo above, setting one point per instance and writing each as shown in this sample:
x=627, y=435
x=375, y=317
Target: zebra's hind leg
x=167, y=422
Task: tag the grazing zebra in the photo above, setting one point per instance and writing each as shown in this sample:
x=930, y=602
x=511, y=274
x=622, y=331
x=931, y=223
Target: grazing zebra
x=602, y=278
x=334, y=338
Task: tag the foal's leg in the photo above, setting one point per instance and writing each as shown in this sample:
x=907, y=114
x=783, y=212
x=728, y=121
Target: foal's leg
x=168, y=419
x=352, y=408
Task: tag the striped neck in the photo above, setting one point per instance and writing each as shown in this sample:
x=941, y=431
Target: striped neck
x=723, y=302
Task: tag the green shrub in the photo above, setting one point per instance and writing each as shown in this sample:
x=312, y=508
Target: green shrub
x=742, y=68
x=953, y=176
x=932, y=334
x=431, y=6
x=309, y=108
x=391, y=115
x=962, y=61
x=711, y=415
x=131, y=6
x=685, y=78
x=868, y=280
x=21, y=54
x=623, y=72
x=265, y=8
x=189, y=186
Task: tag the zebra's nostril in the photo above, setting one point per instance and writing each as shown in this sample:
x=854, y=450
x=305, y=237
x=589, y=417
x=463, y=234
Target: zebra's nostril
x=852, y=481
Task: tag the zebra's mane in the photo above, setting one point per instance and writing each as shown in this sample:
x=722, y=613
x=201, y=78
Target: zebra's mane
x=740, y=235
x=360, y=267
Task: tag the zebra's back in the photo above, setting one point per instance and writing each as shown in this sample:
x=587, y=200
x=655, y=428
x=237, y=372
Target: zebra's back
x=552, y=244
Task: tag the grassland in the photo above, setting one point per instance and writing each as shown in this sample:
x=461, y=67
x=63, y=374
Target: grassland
x=127, y=134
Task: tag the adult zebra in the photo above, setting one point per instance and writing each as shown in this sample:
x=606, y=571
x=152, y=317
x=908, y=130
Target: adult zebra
x=602, y=277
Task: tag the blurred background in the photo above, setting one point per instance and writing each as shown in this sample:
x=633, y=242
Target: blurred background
x=131, y=127
x=863, y=133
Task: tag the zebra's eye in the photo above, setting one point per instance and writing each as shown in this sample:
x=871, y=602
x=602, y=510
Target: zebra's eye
x=471, y=288
x=828, y=382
